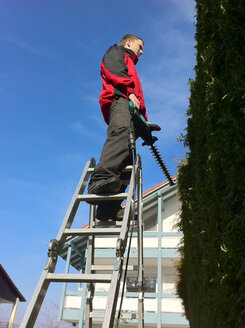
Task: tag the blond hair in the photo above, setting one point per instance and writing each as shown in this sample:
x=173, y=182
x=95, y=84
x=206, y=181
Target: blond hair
x=127, y=37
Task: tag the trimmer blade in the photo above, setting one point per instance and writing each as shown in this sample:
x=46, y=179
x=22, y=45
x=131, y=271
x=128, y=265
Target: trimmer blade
x=160, y=162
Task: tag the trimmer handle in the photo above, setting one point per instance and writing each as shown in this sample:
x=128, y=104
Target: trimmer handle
x=142, y=127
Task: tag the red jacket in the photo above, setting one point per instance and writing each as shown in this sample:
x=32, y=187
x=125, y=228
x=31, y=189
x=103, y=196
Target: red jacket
x=119, y=79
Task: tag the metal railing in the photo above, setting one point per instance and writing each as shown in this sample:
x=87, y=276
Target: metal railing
x=6, y=325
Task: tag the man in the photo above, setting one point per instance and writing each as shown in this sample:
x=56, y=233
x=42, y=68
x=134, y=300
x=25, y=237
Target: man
x=120, y=84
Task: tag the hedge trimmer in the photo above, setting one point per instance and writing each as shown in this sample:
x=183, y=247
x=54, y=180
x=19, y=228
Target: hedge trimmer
x=143, y=129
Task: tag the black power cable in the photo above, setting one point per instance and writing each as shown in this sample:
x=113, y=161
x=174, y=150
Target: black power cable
x=143, y=129
x=133, y=149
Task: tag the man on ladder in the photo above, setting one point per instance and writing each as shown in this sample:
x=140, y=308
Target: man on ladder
x=121, y=83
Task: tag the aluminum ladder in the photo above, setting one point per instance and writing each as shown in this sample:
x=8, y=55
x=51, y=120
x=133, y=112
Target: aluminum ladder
x=90, y=278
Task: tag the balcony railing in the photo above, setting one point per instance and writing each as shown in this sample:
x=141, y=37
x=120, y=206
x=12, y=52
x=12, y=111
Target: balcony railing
x=6, y=325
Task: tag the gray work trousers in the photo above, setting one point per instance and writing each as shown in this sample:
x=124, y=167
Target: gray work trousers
x=116, y=153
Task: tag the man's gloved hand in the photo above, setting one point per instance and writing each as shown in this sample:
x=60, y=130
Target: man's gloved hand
x=154, y=127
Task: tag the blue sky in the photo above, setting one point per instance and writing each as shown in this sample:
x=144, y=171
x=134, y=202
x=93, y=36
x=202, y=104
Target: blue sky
x=51, y=121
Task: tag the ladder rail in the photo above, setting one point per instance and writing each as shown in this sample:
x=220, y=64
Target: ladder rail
x=123, y=231
x=90, y=278
x=72, y=209
x=36, y=301
x=90, y=263
x=122, y=241
x=140, y=252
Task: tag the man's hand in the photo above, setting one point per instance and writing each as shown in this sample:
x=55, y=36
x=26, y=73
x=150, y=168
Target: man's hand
x=135, y=100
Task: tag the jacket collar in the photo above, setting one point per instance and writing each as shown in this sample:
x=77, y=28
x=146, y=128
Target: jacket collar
x=133, y=56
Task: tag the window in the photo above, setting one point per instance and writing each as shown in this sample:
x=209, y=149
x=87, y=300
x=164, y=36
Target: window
x=150, y=224
x=149, y=284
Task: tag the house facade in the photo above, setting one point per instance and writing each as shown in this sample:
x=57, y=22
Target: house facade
x=162, y=307
x=9, y=294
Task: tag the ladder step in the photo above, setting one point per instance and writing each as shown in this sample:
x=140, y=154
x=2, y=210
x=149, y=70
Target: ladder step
x=121, y=196
x=74, y=277
x=92, y=232
x=127, y=169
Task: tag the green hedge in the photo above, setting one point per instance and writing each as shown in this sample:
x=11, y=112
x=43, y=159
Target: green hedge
x=212, y=178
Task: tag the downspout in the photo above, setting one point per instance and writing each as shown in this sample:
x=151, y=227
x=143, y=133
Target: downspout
x=159, y=261
x=67, y=267
x=13, y=313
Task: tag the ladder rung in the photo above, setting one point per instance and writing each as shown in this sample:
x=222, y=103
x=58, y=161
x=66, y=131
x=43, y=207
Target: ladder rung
x=127, y=169
x=74, y=277
x=92, y=232
x=101, y=198
x=110, y=267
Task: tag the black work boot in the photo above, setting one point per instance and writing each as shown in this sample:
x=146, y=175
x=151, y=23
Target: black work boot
x=104, y=213
x=108, y=186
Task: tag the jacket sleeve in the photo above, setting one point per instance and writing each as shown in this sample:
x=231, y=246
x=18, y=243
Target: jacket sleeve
x=115, y=71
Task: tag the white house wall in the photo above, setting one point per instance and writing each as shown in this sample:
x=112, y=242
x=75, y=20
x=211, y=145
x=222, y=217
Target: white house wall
x=168, y=304
x=169, y=239
x=149, y=242
x=171, y=305
x=73, y=302
x=170, y=215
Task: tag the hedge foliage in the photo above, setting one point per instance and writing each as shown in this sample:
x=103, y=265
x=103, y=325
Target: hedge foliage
x=212, y=179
